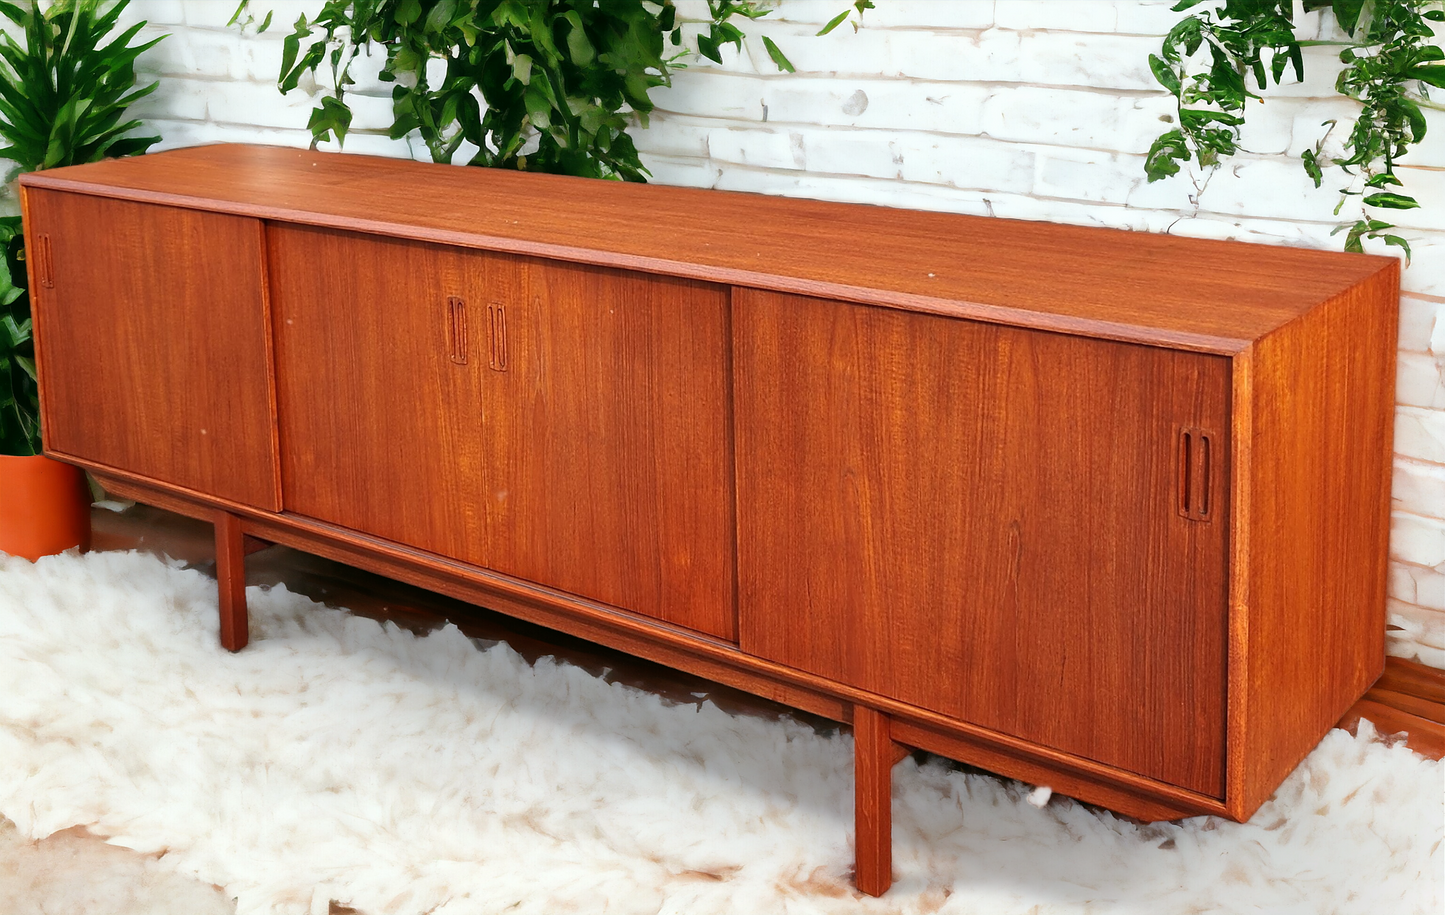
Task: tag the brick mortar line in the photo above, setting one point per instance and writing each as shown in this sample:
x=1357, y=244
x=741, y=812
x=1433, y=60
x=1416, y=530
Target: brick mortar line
x=1415, y=565
x=1403, y=511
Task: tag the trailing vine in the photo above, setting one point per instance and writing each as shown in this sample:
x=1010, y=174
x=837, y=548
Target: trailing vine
x=539, y=85
x=1208, y=59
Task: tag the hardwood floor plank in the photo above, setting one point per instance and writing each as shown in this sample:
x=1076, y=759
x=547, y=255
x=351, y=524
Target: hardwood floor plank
x=1413, y=705
x=1413, y=679
x=1423, y=736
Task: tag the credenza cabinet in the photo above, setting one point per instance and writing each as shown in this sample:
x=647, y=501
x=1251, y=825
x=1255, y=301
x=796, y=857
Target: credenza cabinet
x=1100, y=510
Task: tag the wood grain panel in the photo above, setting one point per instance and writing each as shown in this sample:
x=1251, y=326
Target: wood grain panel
x=152, y=343
x=577, y=434
x=986, y=522
x=380, y=430
x=609, y=426
x=1321, y=396
x=1215, y=296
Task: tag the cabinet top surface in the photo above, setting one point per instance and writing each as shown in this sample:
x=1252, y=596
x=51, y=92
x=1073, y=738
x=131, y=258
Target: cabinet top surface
x=1213, y=296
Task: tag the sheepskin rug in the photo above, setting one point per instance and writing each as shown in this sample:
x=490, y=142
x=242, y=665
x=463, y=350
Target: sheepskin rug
x=338, y=759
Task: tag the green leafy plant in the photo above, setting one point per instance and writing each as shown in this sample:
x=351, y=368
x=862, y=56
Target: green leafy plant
x=63, y=97
x=1390, y=63
x=538, y=85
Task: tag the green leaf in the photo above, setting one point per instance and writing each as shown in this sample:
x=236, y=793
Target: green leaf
x=1164, y=74
x=1312, y=166
x=16, y=333
x=834, y=23
x=1398, y=242
x=542, y=35
x=1433, y=75
x=707, y=46
x=291, y=47
x=776, y=53
x=522, y=68
x=331, y=116
x=538, y=108
x=408, y=11
x=1160, y=162
x=578, y=46
x=1391, y=201
x=440, y=16
x=1415, y=117
x=1347, y=14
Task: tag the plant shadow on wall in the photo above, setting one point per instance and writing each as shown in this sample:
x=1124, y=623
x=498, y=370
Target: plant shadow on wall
x=1390, y=62
x=63, y=97
x=535, y=85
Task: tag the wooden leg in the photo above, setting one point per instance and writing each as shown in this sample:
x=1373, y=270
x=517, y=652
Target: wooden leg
x=874, y=755
x=231, y=580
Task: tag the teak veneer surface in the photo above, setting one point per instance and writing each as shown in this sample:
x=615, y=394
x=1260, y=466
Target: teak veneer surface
x=135, y=306
x=1193, y=293
x=913, y=517
x=1312, y=549
x=556, y=423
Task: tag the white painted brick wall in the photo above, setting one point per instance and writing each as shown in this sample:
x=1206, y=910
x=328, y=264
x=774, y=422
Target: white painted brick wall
x=1036, y=109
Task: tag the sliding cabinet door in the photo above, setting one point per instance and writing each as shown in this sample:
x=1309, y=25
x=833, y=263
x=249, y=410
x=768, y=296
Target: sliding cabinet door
x=1017, y=529
x=561, y=424
x=606, y=429
x=152, y=342
x=380, y=416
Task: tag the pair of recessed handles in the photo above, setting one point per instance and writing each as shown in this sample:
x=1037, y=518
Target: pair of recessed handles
x=457, y=344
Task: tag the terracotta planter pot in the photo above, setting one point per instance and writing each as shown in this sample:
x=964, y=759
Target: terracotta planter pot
x=44, y=507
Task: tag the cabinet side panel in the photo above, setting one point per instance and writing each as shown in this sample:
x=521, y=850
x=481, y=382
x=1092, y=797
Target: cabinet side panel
x=1323, y=393
x=153, y=343
x=984, y=522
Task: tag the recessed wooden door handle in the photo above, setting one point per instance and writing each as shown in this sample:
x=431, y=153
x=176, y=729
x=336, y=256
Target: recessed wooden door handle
x=497, y=334
x=457, y=330
x=44, y=263
x=1196, y=471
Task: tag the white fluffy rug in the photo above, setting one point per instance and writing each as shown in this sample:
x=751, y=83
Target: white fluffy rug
x=339, y=759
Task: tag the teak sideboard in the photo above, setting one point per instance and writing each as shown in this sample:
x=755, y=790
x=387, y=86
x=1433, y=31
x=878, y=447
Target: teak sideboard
x=1100, y=510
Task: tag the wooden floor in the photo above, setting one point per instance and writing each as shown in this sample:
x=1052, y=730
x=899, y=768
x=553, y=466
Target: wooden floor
x=1409, y=700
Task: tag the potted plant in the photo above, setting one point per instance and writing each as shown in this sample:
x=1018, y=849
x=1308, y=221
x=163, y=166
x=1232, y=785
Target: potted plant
x=63, y=95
